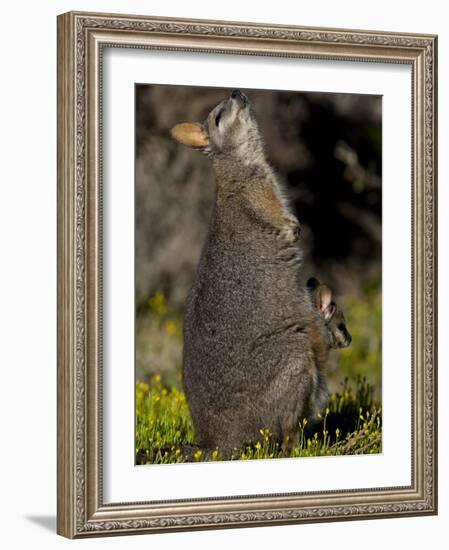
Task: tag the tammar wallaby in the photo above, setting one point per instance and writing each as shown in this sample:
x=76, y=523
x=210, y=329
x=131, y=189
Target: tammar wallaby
x=255, y=345
x=338, y=334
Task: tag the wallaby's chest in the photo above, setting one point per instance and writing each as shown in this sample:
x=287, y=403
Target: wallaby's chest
x=242, y=277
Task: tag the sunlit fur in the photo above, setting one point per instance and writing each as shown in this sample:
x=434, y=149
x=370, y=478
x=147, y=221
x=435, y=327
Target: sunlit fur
x=234, y=134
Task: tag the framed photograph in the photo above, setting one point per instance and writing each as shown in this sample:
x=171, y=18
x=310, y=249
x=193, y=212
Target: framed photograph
x=246, y=274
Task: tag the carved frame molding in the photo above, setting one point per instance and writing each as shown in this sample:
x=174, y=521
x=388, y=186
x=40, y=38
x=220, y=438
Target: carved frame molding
x=81, y=39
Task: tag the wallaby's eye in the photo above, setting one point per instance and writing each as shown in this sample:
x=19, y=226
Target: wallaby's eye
x=217, y=118
x=341, y=327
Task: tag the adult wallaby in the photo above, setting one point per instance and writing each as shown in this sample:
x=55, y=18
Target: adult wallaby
x=255, y=345
x=338, y=334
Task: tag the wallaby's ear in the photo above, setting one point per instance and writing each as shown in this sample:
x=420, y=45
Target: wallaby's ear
x=191, y=134
x=324, y=299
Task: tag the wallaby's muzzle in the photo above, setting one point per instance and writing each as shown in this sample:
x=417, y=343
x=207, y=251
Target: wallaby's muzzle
x=239, y=96
x=347, y=342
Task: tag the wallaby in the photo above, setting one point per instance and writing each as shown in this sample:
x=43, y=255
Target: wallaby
x=255, y=345
x=338, y=334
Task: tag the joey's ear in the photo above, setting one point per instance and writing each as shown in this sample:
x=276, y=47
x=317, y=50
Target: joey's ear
x=324, y=299
x=329, y=311
x=191, y=134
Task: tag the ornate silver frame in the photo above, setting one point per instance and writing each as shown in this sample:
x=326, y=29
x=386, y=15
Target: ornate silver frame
x=81, y=38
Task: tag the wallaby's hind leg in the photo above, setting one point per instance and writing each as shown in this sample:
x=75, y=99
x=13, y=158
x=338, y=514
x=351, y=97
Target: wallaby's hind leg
x=292, y=396
x=290, y=436
x=228, y=429
x=291, y=426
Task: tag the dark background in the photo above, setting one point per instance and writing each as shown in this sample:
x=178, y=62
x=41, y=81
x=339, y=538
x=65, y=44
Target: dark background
x=326, y=148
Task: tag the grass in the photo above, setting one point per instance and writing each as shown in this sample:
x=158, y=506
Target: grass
x=351, y=424
x=364, y=355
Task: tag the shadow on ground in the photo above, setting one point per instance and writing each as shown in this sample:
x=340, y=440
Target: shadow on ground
x=46, y=522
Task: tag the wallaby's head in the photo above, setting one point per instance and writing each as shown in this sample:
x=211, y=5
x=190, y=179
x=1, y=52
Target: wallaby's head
x=334, y=319
x=230, y=130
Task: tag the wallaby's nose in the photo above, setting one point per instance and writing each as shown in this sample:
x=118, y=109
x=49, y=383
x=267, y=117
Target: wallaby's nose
x=237, y=94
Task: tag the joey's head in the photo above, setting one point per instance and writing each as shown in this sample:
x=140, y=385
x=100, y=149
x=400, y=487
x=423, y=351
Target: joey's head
x=332, y=314
x=229, y=131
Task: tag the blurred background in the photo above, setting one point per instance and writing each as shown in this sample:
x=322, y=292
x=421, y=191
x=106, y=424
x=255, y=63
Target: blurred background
x=326, y=148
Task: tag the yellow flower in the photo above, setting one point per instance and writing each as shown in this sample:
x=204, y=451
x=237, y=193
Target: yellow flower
x=157, y=303
x=170, y=328
x=197, y=455
x=265, y=433
x=141, y=386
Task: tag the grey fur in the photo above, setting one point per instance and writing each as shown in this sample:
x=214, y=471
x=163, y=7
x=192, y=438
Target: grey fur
x=255, y=345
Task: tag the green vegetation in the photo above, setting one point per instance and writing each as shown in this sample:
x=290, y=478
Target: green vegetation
x=364, y=355
x=164, y=432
